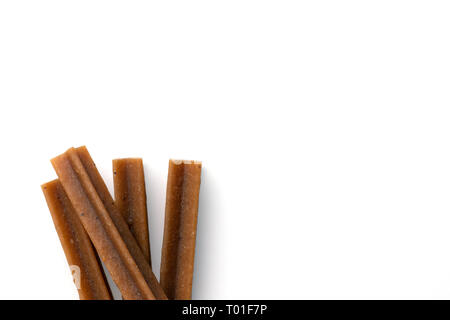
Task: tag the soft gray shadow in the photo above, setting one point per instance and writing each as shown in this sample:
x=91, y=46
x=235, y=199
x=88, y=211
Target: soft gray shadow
x=114, y=290
x=206, y=243
x=155, y=190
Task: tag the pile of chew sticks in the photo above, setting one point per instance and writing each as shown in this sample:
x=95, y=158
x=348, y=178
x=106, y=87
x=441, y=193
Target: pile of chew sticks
x=94, y=227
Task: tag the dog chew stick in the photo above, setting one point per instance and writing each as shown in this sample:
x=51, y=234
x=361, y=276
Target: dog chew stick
x=83, y=261
x=119, y=222
x=131, y=199
x=100, y=228
x=180, y=228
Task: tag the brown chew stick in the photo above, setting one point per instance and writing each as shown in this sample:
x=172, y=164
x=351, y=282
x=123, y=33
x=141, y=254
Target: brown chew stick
x=83, y=261
x=99, y=226
x=119, y=222
x=131, y=199
x=180, y=228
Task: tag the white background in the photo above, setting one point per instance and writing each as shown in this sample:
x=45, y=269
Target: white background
x=323, y=127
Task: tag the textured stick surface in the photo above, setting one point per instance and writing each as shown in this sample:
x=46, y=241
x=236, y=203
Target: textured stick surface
x=83, y=261
x=99, y=226
x=131, y=199
x=180, y=228
x=119, y=222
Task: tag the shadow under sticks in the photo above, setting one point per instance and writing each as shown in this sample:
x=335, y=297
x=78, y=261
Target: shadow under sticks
x=155, y=188
x=206, y=242
x=112, y=285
